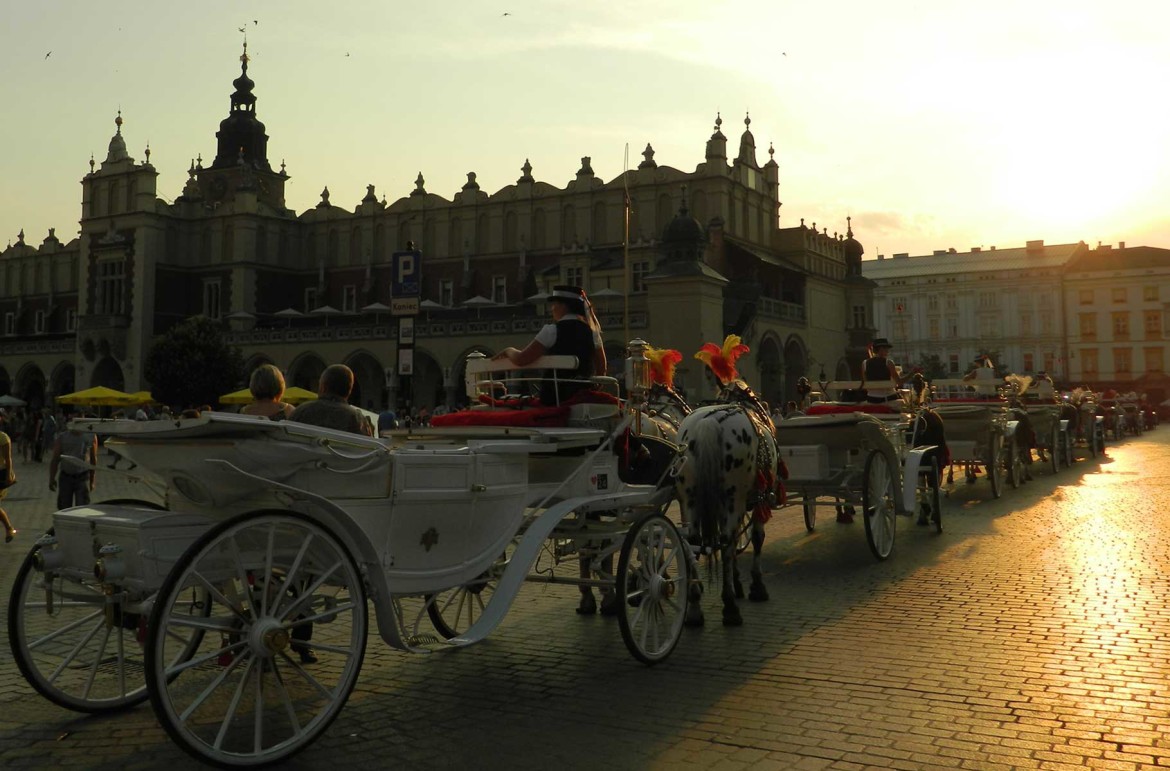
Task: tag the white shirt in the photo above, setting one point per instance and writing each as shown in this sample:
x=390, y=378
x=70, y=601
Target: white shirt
x=548, y=333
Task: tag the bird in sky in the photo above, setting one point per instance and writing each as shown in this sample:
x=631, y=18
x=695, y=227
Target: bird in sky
x=50, y=53
x=506, y=13
x=255, y=21
x=243, y=28
x=347, y=53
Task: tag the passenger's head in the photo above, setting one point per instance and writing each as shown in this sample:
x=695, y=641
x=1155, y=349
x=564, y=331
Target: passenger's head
x=571, y=298
x=266, y=383
x=337, y=381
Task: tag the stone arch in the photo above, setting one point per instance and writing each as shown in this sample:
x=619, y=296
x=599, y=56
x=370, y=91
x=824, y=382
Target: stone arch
x=770, y=361
x=107, y=372
x=427, y=382
x=30, y=386
x=369, y=380
x=253, y=362
x=795, y=364
x=305, y=371
x=62, y=380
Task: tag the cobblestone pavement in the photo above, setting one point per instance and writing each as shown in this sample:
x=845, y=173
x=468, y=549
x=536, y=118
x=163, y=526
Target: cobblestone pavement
x=1031, y=634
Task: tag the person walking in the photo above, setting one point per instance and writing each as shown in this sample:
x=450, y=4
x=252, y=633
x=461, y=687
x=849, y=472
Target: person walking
x=7, y=479
x=75, y=456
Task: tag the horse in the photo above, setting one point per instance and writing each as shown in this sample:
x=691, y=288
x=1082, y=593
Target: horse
x=729, y=478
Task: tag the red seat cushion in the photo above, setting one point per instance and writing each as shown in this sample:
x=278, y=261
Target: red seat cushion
x=839, y=409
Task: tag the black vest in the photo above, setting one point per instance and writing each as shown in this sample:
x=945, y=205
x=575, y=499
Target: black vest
x=877, y=368
x=574, y=338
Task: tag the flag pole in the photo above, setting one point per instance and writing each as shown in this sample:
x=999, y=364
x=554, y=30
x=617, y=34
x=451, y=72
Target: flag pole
x=626, y=245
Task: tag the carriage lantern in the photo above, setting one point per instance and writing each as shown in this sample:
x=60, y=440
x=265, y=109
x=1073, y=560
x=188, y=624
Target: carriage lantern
x=479, y=382
x=637, y=370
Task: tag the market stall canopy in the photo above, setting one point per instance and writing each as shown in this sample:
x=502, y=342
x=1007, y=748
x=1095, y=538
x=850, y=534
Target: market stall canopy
x=292, y=395
x=98, y=396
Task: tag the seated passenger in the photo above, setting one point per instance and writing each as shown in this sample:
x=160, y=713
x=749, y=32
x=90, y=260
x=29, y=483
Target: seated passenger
x=267, y=387
x=983, y=377
x=575, y=331
x=331, y=408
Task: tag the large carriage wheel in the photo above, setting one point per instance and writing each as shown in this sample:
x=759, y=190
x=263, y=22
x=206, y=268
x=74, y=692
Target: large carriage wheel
x=995, y=464
x=454, y=611
x=652, y=588
x=1066, y=447
x=810, y=514
x=878, y=504
x=244, y=697
x=1054, y=446
x=1015, y=463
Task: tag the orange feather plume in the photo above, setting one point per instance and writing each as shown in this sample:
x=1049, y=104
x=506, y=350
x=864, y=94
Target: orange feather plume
x=662, y=364
x=722, y=360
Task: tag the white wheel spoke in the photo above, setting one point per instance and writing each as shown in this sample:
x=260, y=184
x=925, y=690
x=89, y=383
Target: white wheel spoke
x=218, y=595
x=306, y=595
x=230, y=714
x=34, y=644
x=291, y=576
x=194, y=662
x=215, y=683
x=258, y=711
x=285, y=699
x=269, y=549
x=97, y=660
x=73, y=653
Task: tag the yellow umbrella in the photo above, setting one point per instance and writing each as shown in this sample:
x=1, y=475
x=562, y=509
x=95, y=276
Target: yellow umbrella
x=98, y=396
x=141, y=397
x=292, y=395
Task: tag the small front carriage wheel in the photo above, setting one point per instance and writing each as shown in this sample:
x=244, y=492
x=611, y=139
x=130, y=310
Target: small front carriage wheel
x=995, y=464
x=454, y=611
x=879, y=505
x=810, y=514
x=652, y=588
x=282, y=591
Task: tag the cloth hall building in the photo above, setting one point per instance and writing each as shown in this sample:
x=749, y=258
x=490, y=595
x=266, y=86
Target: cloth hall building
x=706, y=257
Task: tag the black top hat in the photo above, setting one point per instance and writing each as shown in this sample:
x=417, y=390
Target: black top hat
x=880, y=342
x=566, y=292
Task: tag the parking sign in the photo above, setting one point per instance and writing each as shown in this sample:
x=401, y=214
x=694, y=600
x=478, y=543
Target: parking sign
x=406, y=280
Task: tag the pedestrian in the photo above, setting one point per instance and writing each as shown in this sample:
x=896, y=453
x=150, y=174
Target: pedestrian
x=48, y=433
x=32, y=433
x=75, y=455
x=7, y=479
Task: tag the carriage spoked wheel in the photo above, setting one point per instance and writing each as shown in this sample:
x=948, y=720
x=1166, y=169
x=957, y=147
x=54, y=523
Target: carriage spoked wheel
x=995, y=463
x=810, y=515
x=651, y=588
x=276, y=582
x=1054, y=447
x=878, y=504
x=1066, y=448
x=1015, y=463
x=77, y=645
x=454, y=611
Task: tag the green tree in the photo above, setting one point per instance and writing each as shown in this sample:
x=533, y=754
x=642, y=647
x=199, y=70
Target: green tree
x=193, y=365
x=933, y=367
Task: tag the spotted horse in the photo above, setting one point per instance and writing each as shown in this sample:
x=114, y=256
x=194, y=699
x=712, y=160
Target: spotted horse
x=729, y=480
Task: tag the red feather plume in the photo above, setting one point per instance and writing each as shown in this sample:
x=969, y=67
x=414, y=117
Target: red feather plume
x=721, y=360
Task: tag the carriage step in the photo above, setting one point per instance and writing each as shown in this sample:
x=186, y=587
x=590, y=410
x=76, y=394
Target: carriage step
x=425, y=641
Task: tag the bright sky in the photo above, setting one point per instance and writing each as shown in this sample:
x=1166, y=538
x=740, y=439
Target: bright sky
x=934, y=123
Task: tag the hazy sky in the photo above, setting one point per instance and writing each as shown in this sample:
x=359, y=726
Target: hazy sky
x=933, y=123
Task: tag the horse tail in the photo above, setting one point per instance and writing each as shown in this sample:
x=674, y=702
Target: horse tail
x=705, y=445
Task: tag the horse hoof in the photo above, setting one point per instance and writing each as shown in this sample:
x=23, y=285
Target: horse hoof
x=587, y=606
x=694, y=620
x=758, y=594
x=609, y=605
x=845, y=518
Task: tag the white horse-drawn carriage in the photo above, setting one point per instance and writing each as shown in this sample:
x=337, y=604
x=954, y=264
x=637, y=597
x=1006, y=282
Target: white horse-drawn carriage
x=980, y=433
x=275, y=536
x=865, y=457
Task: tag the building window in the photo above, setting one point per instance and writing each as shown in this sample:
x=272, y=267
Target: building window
x=447, y=292
x=1026, y=322
x=1150, y=293
x=952, y=327
x=1154, y=360
x=1088, y=323
x=1029, y=362
x=859, y=317
x=211, y=298
x=1086, y=297
x=953, y=364
x=934, y=329
x=638, y=271
x=1153, y=324
x=1046, y=322
x=900, y=331
x=111, y=287
x=1122, y=361
x=71, y=320
x=10, y=323
x=1049, y=361
x=500, y=289
x=987, y=300
x=575, y=276
x=952, y=302
x=988, y=326
x=899, y=305
x=349, y=298
x=1119, y=294
x=1089, y=361
x=310, y=299
x=932, y=302
x=1121, y=325
x=39, y=322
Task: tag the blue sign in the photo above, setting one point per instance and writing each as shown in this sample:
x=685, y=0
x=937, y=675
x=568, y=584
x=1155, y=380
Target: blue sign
x=406, y=280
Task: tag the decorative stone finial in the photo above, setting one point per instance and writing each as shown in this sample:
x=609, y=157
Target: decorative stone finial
x=718, y=121
x=118, y=122
x=199, y=162
x=586, y=168
x=147, y=153
x=283, y=173
x=20, y=237
x=471, y=183
x=325, y=196
x=419, y=185
x=526, y=176
x=91, y=163
x=648, y=156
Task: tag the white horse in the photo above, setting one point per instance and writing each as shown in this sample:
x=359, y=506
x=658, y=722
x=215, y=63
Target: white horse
x=729, y=477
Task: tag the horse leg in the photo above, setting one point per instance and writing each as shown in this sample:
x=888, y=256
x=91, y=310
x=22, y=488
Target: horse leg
x=588, y=605
x=758, y=592
x=694, y=616
x=731, y=614
x=736, y=581
x=609, y=605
